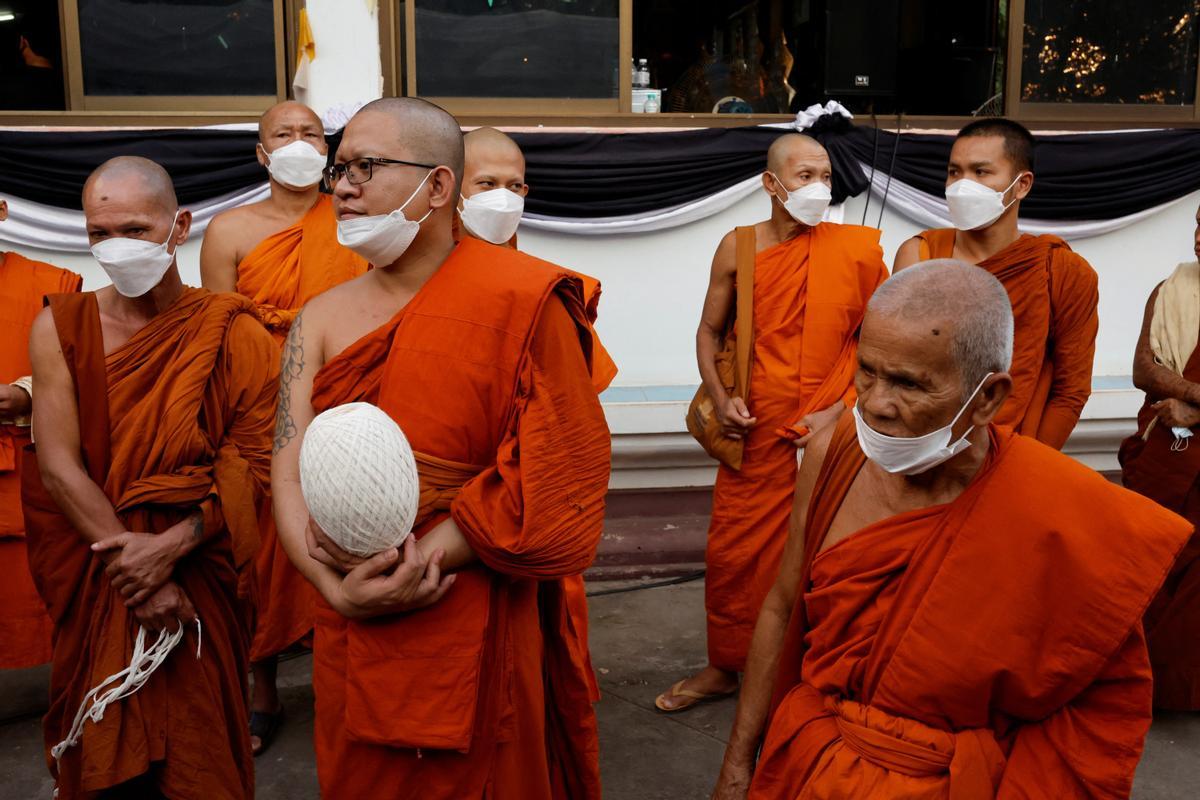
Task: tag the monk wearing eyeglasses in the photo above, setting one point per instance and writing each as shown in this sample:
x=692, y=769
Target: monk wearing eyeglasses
x=449, y=670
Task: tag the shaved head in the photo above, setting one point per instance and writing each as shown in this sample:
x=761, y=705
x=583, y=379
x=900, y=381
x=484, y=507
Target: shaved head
x=493, y=161
x=288, y=113
x=426, y=132
x=494, y=143
x=792, y=147
x=131, y=179
x=966, y=301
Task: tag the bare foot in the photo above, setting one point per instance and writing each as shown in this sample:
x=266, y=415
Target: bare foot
x=709, y=683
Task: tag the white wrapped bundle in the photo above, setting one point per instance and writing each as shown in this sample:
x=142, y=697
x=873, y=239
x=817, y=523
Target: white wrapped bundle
x=359, y=478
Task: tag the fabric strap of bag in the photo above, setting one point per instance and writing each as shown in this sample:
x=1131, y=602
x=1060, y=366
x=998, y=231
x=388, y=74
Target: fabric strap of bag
x=744, y=325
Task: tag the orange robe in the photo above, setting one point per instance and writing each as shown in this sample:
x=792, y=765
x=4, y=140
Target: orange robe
x=24, y=626
x=984, y=648
x=178, y=418
x=810, y=293
x=604, y=369
x=1054, y=294
x=484, y=694
x=1152, y=466
x=281, y=274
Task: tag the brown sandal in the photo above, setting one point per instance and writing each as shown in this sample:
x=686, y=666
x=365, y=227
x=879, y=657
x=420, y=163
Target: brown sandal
x=696, y=698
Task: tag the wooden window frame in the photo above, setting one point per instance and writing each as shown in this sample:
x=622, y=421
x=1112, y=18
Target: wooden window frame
x=398, y=62
x=79, y=100
x=604, y=108
x=1104, y=113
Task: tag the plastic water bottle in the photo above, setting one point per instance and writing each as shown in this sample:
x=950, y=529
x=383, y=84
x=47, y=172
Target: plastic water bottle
x=651, y=104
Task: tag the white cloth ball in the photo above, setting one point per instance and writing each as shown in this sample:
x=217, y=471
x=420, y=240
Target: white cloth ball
x=359, y=478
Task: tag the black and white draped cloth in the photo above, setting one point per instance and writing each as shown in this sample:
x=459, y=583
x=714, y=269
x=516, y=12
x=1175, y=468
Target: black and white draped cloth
x=627, y=181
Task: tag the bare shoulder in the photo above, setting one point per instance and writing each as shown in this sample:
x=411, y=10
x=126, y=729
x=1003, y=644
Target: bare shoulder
x=43, y=329
x=818, y=447
x=725, y=258
x=907, y=254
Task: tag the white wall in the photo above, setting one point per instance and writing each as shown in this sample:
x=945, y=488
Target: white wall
x=346, y=71
x=654, y=283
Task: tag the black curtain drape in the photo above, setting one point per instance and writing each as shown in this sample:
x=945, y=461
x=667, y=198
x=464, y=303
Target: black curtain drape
x=597, y=175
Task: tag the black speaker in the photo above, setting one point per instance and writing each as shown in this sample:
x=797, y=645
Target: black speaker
x=860, y=48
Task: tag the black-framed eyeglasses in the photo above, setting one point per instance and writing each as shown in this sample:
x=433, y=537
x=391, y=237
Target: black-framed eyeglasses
x=360, y=170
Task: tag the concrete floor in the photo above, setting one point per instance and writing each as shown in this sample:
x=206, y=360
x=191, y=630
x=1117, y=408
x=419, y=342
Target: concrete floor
x=642, y=642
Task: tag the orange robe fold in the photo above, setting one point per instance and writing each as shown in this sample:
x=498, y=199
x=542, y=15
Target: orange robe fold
x=281, y=274
x=985, y=648
x=604, y=370
x=486, y=693
x=178, y=418
x=810, y=294
x=1152, y=465
x=25, y=626
x=1054, y=294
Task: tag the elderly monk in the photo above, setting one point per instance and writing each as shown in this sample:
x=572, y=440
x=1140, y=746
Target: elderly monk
x=25, y=627
x=1053, y=290
x=812, y=280
x=1160, y=462
x=958, y=613
x=280, y=252
x=152, y=419
x=450, y=670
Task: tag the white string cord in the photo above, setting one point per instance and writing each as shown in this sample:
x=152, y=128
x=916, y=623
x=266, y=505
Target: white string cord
x=141, y=665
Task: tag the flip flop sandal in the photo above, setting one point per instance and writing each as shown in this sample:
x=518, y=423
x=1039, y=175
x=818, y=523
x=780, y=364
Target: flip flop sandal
x=696, y=698
x=265, y=726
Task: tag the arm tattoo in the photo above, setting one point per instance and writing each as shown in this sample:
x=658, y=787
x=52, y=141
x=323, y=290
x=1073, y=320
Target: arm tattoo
x=290, y=367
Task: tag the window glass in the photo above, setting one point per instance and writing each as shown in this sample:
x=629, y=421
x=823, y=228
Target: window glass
x=517, y=48
x=186, y=47
x=31, y=76
x=940, y=57
x=1101, y=51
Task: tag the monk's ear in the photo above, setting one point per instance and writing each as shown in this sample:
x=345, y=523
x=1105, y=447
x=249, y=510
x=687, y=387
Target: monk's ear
x=260, y=153
x=769, y=184
x=3, y=210
x=524, y=190
x=1024, y=186
x=992, y=393
x=442, y=191
x=183, y=227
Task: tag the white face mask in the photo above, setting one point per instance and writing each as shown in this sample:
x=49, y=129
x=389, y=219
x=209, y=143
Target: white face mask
x=807, y=204
x=916, y=454
x=135, y=266
x=493, y=215
x=383, y=238
x=297, y=165
x=974, y=206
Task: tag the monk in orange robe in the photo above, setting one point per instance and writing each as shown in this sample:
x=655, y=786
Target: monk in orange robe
x=449, y=670
x=280, y=252
x=494, y=164
x=25, y=626
x=957, y=615
x=1053, y=290
x=1160, y=462
x=152, y=419
x=811, y=285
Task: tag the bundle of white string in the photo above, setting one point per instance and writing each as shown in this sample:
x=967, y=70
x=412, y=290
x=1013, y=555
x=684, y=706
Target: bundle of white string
x=141, y=665
x=359, y=478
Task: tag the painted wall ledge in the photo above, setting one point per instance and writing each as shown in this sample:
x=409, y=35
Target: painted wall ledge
x=652, y=449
